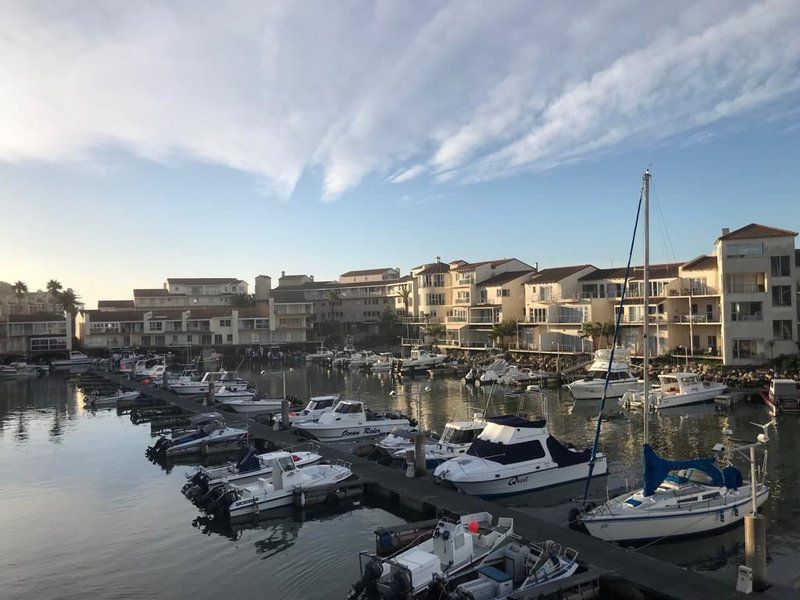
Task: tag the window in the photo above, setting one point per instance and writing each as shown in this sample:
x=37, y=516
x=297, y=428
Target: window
x=538, y=315
x=155, y=325
x=435, y=299
x=230, y=338
x=224, y=322
x=501, y=293
x=782, y=330
x=781, y=295
x=746, y=311
x=174, y=339
x=780, y=266
x=742, y=250
x=712, y=342
x=748, y=349
x=145, y=340
x=189, y=339
x=217, y=338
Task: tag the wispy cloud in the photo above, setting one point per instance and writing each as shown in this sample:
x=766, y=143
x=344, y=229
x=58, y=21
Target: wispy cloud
x=459, y=90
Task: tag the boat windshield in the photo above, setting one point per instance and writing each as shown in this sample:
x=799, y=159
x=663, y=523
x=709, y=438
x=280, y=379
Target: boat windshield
x=286, y=463
x=458, y=436
x=348, y=408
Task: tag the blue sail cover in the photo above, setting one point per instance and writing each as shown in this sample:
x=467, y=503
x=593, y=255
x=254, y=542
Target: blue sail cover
x=656, y=469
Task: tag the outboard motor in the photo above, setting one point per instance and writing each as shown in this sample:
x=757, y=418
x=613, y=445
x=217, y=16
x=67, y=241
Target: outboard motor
x=196, y=487
x=367, y=586
x=401, y=587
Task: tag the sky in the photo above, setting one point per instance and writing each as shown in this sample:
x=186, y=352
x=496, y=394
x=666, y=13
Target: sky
x=145, y=140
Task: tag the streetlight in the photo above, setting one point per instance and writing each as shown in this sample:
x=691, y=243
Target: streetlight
x=419, y=448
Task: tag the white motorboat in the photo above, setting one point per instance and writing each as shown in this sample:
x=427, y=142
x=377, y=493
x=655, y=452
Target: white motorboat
x=361, y=359
x=218, y=378
x=516, y=375
x=519, y=571
x=244, y=471
x=494, y=371
x=321, y=354
x=253, y=405
x=316, y=407
x=286, y=481
x=75, y=359
x=513, y=455
x=696, y=499
x=213, y=436
x=421, y=360
x=457, y=546
x=19, y=370
x=620, y=379
x=114, y=399
x=349, y=420
x=398, y=440
x=677, y=389
x=782, y=397
x=225, y=393
x=383, y=363
x=455, y=440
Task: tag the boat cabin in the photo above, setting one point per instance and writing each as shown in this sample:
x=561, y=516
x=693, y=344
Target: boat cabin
x=784, y=394
x=681, y=383
x=457, y=433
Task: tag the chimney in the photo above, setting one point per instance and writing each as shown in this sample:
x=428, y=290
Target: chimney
x=725, y=231
x=311, y=277
x=536, y=266
x=438, y=259
x=283, y=273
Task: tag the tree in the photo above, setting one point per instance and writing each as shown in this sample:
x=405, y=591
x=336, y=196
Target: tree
x=502, y=331
x=71, y=303
x=243, y=300
x=388, y=326
x=436, y=332
x=20, y=289
x=404, y=293
x=590, y=331
x=54, y=287
x=606, y=331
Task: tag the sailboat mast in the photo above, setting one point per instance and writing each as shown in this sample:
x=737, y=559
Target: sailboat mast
x=646, y=301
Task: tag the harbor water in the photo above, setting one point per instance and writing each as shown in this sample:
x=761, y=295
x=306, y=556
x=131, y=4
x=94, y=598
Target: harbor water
x=86, y=515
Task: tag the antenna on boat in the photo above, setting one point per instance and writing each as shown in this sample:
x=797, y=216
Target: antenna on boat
x=646, y=302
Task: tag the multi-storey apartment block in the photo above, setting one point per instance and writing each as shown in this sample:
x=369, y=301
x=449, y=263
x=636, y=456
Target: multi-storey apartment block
x=179, y=292
x=37, y=333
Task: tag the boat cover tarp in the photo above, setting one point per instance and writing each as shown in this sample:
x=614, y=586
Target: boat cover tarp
x=506, y=454
x=248, y=461
x=565, y=457
x=516, y=421
x=656, y=469
x=732, y=477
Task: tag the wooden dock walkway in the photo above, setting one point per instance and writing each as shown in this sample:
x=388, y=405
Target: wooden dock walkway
x=626, y=573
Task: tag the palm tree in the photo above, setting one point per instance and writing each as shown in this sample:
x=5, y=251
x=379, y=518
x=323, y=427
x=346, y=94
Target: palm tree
x=54, y=287
x=243, y=300
x=590, y=331
x=436, y=331
x=71, y=303
x=20, y=289
x=404, y=293
x=606, y=330
x=502, y=331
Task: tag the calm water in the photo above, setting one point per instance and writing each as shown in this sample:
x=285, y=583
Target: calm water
x=86, y=515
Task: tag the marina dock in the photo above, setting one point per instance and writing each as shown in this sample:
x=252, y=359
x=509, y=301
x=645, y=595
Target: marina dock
x=624, y=573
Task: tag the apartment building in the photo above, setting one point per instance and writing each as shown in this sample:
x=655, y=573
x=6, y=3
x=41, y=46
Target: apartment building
x=737, y=305
x=27, y=303
x=36, y=333
x=181, y=292
x=175, y=328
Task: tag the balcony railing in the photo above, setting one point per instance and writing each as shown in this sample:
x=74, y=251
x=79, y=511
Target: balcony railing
x=738, y=317
x=745, y=288
x=456, y=319
x=493, y=319
x=569, y=319
x=462, y=300
x=640, y=319
x=695, y=319
x=465, y=281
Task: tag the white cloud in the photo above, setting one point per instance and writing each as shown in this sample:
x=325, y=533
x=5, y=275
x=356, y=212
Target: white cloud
x=460, y=90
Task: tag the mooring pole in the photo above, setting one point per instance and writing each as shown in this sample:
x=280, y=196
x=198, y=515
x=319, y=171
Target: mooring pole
x=755, y=534
x=284, y=406
x=419, y=447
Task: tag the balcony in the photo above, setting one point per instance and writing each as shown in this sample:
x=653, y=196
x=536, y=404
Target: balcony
x=745, y=288
x=559, y=319
x=482, y=319
x=695, y=319
x=465, y=281
x=456, y=319
x=639, y=319
x=462, y=301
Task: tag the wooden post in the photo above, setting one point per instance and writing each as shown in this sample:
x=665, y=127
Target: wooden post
x=755, y=548
x=210, y=397
x=285, y=413
x=419, y=447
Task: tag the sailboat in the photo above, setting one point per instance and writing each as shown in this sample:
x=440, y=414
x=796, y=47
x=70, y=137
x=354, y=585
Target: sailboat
x=678, y=498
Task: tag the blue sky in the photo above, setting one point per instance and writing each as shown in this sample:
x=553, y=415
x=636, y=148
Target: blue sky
x=384, y=134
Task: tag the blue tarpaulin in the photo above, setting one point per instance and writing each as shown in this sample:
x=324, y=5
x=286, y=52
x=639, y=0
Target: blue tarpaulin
x=656, y=469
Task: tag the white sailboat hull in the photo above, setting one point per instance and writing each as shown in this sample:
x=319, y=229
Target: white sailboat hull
x=672, y=523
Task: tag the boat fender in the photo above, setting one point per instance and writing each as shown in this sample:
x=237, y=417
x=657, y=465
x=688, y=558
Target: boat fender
x=302, y=498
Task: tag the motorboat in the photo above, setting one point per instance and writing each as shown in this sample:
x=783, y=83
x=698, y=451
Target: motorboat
x=514, y=454
x=782, y=397
x=383, y=363
x=361, y=359
x=246, y=470
x=677, y=389
x=494, y=371
x=679, y=498
x=516, y=375
x=279, y=490
x=321, y=354
x=421, y=360
x=400, y=440
x=19, y=370
x=350, y=420
x=316, y=407
x=455, y=440
x=254, y=405
x=209, y=437
x=620, y=379
x=114, y=399
x=456, y=546
x=232, y=393
x=517, y=573
x=74, y=359
x=218, y=378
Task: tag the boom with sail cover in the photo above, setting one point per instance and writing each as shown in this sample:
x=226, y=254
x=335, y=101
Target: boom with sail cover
x=656, y=469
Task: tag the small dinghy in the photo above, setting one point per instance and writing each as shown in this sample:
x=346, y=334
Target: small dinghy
x=248, y=469
x=98, y=401
x=456, y=547
x=213, y=436
x=279, y=490
x=519, y=571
